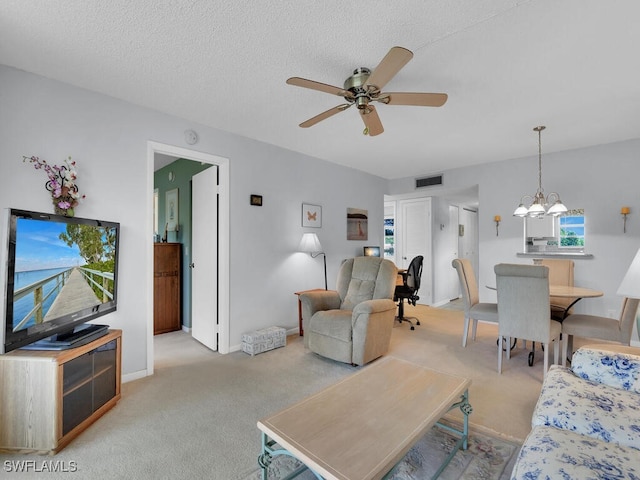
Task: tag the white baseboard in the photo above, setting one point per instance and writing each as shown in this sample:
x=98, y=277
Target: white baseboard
x=130, y=377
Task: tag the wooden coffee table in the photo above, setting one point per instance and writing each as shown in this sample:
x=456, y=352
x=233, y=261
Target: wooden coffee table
x=362, y=426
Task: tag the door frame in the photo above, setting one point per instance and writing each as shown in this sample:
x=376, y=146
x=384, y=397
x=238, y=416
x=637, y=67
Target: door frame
x=223, y=239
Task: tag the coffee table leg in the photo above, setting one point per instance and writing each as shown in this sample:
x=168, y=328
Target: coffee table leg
x=266, y=457
x=463, y=442
x=466, y=409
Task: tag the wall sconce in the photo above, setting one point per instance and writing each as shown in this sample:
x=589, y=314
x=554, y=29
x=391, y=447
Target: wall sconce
x=497, y=219
x=311, y=244
x=624, y=211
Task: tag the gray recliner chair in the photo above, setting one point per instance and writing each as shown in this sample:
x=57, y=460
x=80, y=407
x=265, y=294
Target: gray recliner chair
x=353, y=323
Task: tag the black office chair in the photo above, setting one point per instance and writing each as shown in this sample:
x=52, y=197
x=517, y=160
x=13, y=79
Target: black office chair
x=409, y=290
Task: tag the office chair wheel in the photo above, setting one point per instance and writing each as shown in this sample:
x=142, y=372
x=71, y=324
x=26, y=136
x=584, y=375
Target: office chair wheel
x=531, y=355
x=417, y=322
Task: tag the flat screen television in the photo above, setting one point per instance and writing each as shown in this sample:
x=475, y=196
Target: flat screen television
x=61, y=272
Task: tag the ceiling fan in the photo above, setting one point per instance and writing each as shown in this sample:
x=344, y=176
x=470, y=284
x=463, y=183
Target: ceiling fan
x=364, y=87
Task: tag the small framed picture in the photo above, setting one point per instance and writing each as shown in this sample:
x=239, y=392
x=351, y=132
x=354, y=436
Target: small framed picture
x=311, y=215
x=255, y=200
x=171, y=210
x=357, y=224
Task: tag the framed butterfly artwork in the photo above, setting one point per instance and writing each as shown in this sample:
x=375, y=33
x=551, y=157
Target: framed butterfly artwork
x=311, y=215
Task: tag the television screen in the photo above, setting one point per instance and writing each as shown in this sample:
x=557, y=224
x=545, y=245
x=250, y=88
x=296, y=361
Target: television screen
x=371, y=251
x=61, y=272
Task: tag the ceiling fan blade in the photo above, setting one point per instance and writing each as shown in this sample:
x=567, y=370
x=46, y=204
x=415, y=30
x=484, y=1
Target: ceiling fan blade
x=391, y=64
x=324, y=115
x=417, y=99
x=322, y=87
x=371, y=120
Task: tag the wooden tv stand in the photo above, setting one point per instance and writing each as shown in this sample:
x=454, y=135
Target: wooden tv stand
x=47, y=398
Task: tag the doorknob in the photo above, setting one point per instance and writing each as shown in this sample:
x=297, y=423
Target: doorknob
x=191, y=265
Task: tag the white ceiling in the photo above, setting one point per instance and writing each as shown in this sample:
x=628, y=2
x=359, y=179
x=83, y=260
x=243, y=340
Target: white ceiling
x=507, y=66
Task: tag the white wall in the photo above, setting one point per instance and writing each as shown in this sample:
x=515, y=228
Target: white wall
x=108, y=138
x=600, y=179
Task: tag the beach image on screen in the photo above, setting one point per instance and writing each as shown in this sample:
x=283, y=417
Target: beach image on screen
x=60, y=268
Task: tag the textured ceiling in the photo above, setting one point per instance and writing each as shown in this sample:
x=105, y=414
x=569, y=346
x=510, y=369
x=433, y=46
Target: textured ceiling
x=507, y=66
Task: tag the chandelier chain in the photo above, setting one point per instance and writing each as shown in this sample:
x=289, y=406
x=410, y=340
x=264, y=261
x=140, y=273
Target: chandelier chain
x=539, y=130
x=539, y=160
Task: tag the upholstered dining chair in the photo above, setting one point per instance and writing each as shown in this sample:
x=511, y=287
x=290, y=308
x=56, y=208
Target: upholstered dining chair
x=602, y=328
x=560, y=273
x=473, y=308
x=523, y=309
x=353, y=323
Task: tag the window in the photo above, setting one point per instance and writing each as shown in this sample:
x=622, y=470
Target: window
x=389, y=238
x=571, y=231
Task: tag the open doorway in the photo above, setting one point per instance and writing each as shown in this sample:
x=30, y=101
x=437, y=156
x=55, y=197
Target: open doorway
x=159, y=157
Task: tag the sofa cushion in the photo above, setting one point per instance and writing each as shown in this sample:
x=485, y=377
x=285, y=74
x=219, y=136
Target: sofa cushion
x=572, y=403
x=550, y=453
x=620, y=369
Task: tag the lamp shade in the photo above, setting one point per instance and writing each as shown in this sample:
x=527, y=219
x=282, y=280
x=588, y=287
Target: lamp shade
x=557, y=208
x=630, y=286
x=536, y=210
x=310, y=243
x=521, y=211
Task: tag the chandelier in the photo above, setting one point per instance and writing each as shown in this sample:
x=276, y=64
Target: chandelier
x=540, y=205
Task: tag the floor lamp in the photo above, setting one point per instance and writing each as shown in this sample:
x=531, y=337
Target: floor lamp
x=311, y=244
x=630, y=286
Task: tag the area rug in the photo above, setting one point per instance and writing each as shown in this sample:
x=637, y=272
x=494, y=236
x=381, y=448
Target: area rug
x=487, y=458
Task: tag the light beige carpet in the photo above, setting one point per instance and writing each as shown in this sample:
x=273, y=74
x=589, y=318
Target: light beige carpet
x=196, y=417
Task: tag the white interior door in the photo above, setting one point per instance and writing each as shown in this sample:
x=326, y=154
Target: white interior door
x=451, y=284
x=204, y=258
x=468, y=243
x=414, y=230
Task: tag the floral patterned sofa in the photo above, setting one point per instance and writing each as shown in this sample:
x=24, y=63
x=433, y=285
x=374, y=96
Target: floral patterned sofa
x=586, y=424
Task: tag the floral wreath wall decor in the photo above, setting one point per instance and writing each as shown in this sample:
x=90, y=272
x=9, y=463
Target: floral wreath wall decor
x=61, y=184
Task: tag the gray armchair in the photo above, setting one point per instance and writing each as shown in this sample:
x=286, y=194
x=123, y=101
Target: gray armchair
x=353, y=323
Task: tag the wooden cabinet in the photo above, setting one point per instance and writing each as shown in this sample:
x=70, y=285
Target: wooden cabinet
x=167, y=306
x=49, y=397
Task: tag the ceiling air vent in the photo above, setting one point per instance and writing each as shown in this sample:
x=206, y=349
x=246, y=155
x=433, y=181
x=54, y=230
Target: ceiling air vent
x=429, y=181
